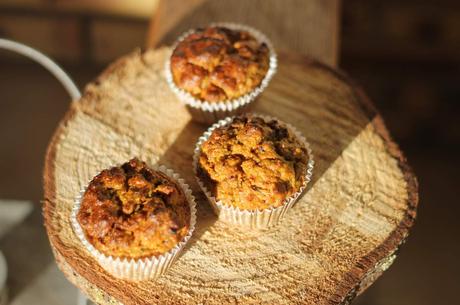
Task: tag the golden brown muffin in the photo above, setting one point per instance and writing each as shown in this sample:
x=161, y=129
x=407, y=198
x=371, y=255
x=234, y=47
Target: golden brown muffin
x=252, y=164
x=217, y=63
x=132, y=211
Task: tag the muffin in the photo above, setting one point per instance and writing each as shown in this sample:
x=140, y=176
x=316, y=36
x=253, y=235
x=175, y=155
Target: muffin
x=252, y=168
x=217, y=63
x=131, y=215
x=220, y=69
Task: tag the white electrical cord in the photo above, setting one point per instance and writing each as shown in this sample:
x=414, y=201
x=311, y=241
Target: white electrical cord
x=46, y=62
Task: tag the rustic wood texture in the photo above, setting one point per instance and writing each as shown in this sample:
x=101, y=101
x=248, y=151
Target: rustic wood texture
x=306, y=27
x=341, y=235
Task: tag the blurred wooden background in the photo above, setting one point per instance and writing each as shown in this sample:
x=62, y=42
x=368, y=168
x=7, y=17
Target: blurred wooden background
x=306, y=27
x=99, y=31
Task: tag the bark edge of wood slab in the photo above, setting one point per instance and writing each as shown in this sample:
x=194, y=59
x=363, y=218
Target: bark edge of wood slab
x=341, y=235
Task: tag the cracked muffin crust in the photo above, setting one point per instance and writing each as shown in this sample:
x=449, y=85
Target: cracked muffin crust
x=132, y=211
x=252, y=164
x=217, y=63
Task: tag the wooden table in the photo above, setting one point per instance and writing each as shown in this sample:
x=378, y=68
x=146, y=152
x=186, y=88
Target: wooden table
x=332, y=245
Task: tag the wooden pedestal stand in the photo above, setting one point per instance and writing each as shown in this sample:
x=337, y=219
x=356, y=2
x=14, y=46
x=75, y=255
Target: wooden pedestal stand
x=335, y=242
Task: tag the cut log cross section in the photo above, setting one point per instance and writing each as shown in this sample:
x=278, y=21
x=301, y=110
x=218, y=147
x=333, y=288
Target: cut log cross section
x=340, y=236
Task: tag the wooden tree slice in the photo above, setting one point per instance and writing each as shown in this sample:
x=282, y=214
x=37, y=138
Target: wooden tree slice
x=335, y=242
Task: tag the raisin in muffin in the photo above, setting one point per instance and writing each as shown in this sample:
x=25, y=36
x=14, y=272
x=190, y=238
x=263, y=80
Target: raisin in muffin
x=217, y=63
x=253, y=164
x=134, y=212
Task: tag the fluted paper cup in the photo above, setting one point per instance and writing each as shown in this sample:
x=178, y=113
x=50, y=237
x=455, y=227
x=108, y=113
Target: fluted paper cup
x=210, y=112
x=143, y=268
x=252, y=219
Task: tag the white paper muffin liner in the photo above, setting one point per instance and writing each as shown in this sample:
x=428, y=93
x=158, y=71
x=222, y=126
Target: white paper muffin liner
x=144, y=268
x=210, y=112
x=252, y=219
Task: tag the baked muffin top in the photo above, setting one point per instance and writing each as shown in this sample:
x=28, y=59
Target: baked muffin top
x=132, y=211
x=252, y=164
x=217, y=63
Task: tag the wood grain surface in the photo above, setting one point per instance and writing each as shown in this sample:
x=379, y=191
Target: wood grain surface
x=340, y=236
